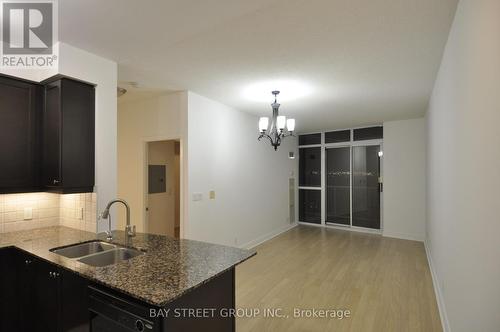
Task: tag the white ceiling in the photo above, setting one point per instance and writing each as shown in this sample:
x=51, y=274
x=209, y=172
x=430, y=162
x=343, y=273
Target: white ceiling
x=360, y=61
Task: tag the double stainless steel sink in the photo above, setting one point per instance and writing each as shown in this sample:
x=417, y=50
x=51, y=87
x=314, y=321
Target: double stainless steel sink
x=97, y=253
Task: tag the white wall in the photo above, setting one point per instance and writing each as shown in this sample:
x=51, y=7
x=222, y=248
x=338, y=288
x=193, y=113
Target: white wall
x=85, y=66
x=250, y=179
x=463, y=230
x=140, y=121
x=404, y=179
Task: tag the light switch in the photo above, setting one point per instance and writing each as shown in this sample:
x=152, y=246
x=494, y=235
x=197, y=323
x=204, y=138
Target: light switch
x=212, y=194
x=197, y=197
x=28, y=213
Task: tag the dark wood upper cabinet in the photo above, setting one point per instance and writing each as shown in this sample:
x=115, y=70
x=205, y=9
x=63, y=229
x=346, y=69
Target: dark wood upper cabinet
x=47, y=135
x=20, y=107
x=51, y=146
x=68, y=136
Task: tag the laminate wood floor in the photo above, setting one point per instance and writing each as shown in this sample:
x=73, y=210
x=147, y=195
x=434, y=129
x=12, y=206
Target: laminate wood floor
x=385, y=283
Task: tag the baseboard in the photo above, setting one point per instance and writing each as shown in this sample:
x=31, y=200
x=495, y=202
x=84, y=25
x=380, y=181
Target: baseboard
x=267, y=237
x=343, y=228
x=437, y=290
x=404, y=236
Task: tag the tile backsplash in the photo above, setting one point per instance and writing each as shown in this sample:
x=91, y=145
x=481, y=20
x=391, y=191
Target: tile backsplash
x=35, y=210
x=78, y=211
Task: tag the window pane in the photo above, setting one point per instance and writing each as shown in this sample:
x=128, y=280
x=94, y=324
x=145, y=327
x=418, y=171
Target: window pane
x=310, y=139
x=338, y=136
x=338, y=186
x=364, y=134
x=310, y=206
x=310, y=167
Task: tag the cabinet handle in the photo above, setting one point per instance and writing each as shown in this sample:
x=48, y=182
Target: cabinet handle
x=55, y=181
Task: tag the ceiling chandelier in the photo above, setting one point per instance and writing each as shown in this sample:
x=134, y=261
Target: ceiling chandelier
x=280, y=126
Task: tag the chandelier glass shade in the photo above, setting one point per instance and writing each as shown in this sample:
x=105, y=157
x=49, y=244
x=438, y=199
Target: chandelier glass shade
x=278, y=128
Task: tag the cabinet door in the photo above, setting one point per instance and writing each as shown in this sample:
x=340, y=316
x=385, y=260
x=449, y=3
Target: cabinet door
x=74, y=303
x=19, y=102
x=51, y=152
x=8, y=298
x=26, y=271
x=78, y=137
x=46, y=297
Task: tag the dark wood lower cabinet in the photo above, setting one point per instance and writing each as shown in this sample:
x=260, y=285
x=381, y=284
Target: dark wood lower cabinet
x=60, y=299
x=8, y=297
x=36, y=295
x=39, y=296
x=46, y=299
x=217, y=296
x=74, y=303
x=25, y=286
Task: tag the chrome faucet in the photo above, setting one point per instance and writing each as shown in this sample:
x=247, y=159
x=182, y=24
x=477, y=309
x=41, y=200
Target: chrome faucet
x=109, y=233
x=129, y=229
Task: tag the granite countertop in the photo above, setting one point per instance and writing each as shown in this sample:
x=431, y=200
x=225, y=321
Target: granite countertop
x=168, y=269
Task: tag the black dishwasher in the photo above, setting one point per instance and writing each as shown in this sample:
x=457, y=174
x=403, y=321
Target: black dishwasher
x=111, y=313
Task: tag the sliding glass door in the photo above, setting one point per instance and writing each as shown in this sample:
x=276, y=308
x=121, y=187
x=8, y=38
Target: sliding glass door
x=359, y=186
x=365, y=186
x=338, y=185
x=340, y=178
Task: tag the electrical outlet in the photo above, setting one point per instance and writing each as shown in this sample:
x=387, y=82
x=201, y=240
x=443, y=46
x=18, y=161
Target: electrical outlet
x=78, y=213
x=28, y=213
x=212, y=194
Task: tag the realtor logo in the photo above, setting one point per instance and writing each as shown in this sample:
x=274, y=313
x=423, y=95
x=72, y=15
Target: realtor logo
x=28, y=34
